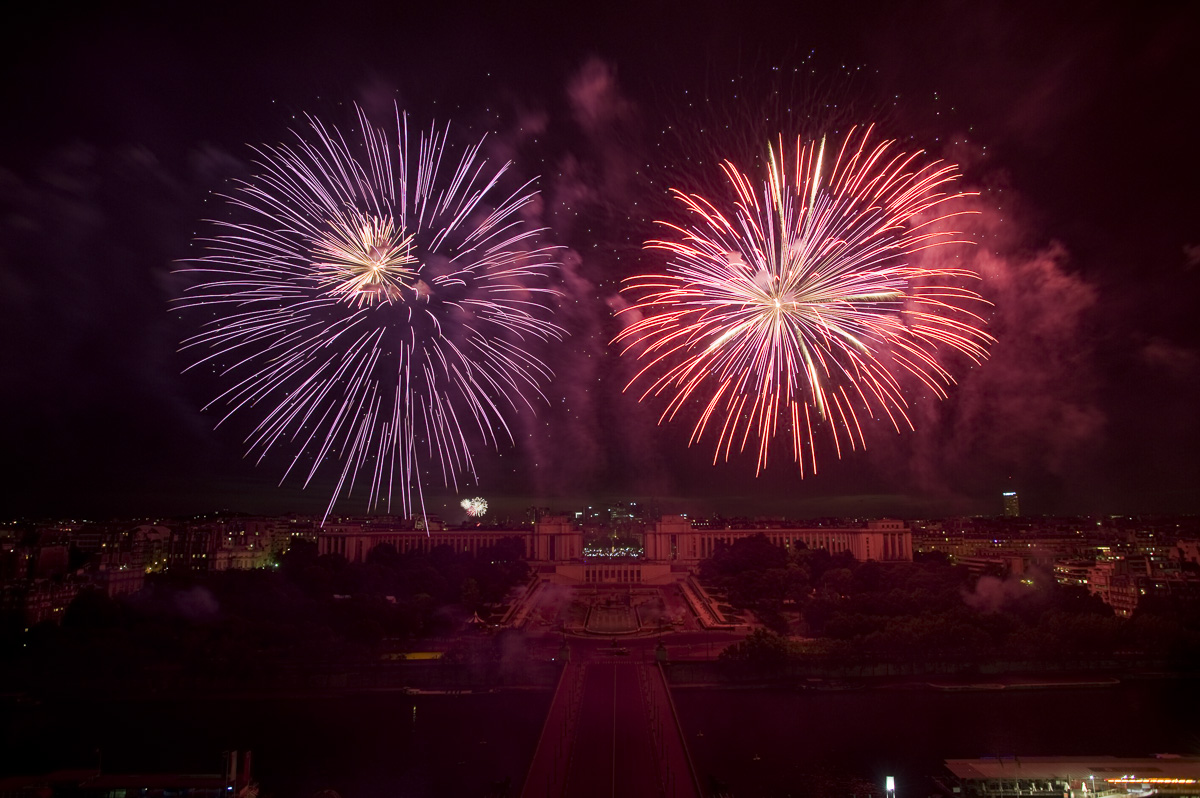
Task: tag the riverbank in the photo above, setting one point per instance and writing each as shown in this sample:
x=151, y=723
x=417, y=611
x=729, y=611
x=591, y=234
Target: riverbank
x=1010, y=683
x=817, y=669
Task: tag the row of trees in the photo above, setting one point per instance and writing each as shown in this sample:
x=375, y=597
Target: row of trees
x=931, y=610
x=308, y=611
x=445, y=576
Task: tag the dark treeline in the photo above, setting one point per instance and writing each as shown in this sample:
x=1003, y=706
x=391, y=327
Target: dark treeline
x=308, y=612
x=932, y=611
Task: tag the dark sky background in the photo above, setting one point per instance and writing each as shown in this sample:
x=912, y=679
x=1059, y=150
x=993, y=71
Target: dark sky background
x=1074, y=123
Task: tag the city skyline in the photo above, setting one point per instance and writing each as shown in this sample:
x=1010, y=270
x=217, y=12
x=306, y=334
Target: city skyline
x=1086, y=240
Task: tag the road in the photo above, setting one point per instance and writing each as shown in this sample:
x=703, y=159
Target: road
x=611, y=730
x=614, y=751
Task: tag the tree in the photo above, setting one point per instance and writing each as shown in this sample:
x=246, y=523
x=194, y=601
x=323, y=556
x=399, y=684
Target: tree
x=299, y=556
x=383, y=554
x=754, y=553
x=92, y=609
x=469, y=595
x=838, y=581
x=761, y=647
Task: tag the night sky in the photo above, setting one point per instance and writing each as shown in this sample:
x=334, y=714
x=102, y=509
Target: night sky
x=1072, y=122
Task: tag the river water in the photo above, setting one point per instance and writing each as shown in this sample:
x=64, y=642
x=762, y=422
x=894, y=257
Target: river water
x=810, y=743
x=758, y=742
x=381, y=745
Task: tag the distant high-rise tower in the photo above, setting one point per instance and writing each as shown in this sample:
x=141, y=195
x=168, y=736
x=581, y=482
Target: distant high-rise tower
x=1012, y=506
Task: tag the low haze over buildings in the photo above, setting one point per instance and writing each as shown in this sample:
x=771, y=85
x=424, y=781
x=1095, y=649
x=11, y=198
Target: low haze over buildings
x=1121, y=560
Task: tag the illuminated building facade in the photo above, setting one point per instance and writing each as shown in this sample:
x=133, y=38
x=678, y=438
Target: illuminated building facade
x=553, y=539
x=1012, y=505
x=556, y=544
x=674, y=539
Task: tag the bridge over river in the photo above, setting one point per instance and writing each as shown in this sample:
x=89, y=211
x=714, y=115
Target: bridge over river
x=611, y=731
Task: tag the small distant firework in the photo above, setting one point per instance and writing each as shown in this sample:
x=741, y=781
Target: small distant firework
x=371, y=304
x=801, y=304
x=476, y=507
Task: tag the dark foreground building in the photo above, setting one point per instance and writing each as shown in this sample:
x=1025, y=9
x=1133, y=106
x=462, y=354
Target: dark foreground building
x=1074, y=777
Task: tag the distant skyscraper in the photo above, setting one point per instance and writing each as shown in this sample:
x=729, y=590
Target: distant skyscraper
x=1012, y=507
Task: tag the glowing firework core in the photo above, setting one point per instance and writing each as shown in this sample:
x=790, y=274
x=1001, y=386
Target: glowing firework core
x=364, y=261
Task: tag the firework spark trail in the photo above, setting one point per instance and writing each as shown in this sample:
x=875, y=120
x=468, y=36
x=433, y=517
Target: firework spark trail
x=802, y=304
x=376, y=304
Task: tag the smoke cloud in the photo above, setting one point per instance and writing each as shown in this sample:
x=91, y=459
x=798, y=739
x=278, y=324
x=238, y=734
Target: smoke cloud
x=991, y=594
x=1033, y=407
